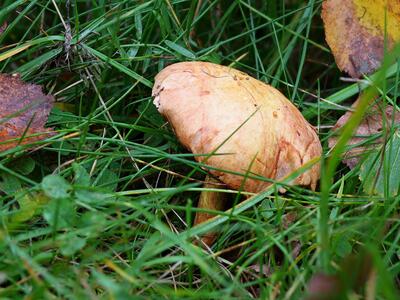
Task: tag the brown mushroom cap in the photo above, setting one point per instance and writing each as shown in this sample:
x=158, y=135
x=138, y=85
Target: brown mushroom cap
x=248, y=125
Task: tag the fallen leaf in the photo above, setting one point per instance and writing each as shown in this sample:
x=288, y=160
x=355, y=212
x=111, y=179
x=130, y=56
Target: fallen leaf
x=355, y=31
x=296, y=248
x=375, y=120
x=352, y=278
x=24, y=110
x=288, y=219
x=324, y=287
x=265, y=269
x=3, y=27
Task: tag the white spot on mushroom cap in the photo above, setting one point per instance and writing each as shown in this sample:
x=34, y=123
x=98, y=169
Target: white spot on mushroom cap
x=157, y=102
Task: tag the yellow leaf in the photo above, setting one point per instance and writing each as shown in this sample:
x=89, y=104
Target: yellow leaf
x=356, y=29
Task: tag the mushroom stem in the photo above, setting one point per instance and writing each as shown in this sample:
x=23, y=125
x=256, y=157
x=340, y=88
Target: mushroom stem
x=210, y=201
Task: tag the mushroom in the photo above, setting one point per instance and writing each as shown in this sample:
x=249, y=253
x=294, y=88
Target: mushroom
x=236, y=124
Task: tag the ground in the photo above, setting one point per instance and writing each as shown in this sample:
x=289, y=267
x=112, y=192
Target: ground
x=104, y=208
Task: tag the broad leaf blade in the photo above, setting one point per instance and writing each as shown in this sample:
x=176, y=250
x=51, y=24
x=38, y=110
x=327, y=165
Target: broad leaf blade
x=380, y=172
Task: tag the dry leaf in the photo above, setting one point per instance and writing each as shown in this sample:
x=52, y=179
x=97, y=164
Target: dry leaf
x=324, y=287
x=288, y=219
x=3, y=27
x=356, y=274
x=23, y=112
x=246, y=124
x=355, y=31
x=374, y=121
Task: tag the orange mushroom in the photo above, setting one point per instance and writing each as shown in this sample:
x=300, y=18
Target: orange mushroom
x=236, y=124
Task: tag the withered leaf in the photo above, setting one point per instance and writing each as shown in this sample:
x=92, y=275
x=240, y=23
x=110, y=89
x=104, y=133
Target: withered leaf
x=24, y=110
x=355, y=31
x=377, y=118
x=355, y=272
x=3, y=27
x=324, y=287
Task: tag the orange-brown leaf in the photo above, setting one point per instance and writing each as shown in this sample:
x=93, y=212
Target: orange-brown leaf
x=3, y=27
x=373, y=123
x=24, y=110
x=355, y=31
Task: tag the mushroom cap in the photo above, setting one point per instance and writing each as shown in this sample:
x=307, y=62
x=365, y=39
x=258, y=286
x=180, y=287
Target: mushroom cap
x=236, y=123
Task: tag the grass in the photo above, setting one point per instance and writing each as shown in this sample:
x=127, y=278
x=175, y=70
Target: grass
x=104, y=209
